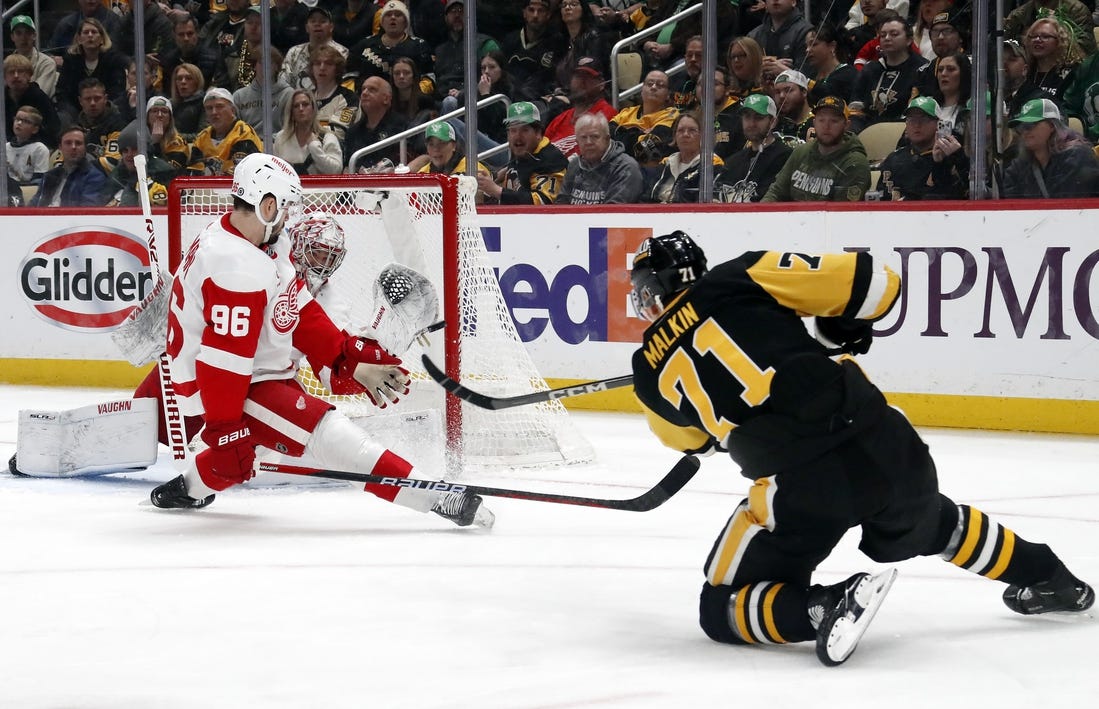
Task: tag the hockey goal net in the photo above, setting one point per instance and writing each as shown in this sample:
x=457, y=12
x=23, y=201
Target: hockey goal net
x=428, y=223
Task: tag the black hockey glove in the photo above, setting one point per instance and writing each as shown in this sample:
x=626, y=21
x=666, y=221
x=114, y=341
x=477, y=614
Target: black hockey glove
x=708, y=448
x=848, y=335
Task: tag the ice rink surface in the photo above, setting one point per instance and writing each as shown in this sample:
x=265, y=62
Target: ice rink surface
x=327, y=597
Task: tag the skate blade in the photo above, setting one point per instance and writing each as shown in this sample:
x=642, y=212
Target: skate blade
x=846, y=632
x=484, y=518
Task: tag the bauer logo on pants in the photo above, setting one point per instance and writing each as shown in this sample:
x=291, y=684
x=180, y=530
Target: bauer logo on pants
x=86, y=279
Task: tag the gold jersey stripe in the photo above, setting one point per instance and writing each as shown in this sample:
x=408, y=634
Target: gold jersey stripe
x=826, y=292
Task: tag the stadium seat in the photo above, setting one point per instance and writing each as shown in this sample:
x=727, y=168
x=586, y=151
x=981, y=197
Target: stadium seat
x=629, y=70
x=880, y=139
x=1076, y=124
x=28, y=192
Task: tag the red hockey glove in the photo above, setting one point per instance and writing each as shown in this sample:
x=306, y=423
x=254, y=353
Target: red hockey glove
x=229, y=459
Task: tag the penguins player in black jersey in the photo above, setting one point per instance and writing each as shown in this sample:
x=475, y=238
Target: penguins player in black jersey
x=728, y=364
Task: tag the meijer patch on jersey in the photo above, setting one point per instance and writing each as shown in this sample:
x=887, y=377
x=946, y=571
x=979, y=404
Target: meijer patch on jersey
x=86, y=279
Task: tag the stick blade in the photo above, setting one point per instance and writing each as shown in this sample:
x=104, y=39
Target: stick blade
x=455, y=388
x=672, y=483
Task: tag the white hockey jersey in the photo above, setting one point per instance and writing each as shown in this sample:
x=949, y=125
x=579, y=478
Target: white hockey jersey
x=232, y=319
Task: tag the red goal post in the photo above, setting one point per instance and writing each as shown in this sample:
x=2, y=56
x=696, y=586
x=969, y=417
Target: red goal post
x=427, y=222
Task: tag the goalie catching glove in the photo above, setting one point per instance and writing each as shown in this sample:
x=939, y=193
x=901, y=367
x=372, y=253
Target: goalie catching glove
x=364, y=367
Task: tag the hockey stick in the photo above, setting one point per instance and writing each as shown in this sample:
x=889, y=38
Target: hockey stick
x=173, y=419
x=672, y=483
x=506, y=402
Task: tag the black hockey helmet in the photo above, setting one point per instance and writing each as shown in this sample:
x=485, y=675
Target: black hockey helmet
x=664, y=266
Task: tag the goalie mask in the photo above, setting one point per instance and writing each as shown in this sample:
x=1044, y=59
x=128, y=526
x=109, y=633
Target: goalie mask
x=664, y=266
x=318, y=249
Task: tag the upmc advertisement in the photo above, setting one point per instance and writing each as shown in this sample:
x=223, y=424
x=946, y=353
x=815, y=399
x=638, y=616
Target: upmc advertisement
x=995, y=304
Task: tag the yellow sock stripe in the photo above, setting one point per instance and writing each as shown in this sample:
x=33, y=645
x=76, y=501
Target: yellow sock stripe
x=1004, y=559
x=972, y=537
x=740, y=615
x=768, y=613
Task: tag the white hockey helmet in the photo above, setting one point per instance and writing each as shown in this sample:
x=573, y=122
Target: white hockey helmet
x=318, y=248
x=258, y=175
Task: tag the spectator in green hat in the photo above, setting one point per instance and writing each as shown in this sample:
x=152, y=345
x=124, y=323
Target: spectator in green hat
x=750, y=171
x=24, y=38
x=536, y=169
x=442, y=151
x=1053, y=161
x=919, y=170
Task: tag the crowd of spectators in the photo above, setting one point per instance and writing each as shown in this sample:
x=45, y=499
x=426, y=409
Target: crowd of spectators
x=792, y=94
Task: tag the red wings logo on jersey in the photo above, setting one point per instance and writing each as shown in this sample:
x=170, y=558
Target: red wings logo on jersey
x=284, y=315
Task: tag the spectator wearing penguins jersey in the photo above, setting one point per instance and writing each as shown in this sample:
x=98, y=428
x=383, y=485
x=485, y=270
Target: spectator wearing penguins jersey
x=924, y=169
x=795, y=117
x=1054, y=57
x=532, y=54
x=884, y=87
x=728, y=136
x=537, y=167
x=750, y=171
x=226, y=140
x=374, y=56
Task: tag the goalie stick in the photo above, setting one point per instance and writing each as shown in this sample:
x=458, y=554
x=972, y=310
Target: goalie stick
x=671, y=483
x=486, y=401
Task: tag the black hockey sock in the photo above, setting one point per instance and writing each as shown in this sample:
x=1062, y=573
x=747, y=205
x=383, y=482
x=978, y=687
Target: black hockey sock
x=764, y=612
x=976, y=543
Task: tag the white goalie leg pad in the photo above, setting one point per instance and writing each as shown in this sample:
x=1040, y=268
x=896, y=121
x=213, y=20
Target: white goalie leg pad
x=112, y=437
x=338, y=444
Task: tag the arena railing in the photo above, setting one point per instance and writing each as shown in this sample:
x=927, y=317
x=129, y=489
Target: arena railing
x=403, y=136
x=633, y=39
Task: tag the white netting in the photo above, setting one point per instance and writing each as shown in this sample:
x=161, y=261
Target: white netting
x=405, y=224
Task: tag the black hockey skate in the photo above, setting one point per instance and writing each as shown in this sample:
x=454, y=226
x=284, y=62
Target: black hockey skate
x=13, y=467
x=842, y=612
x=1062, y=593
x=464, y=509
x=172, y=495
